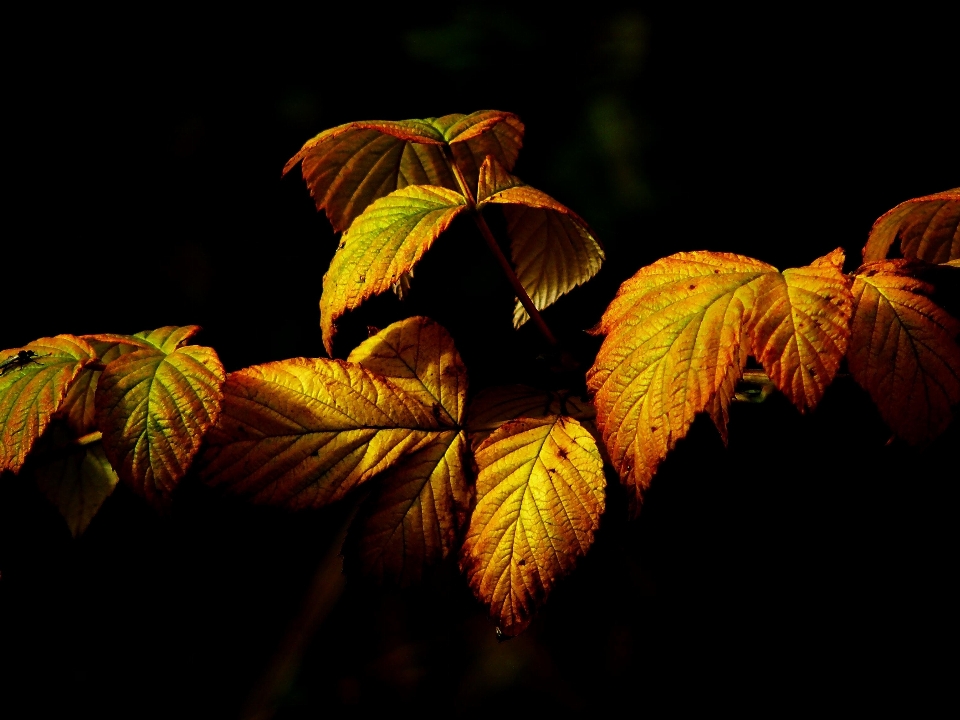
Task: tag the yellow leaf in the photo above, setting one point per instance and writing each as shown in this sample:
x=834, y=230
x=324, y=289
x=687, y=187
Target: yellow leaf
x=800, y=326
x=153, y=407
x=553, y=250
x=540, y=494
x=675, y=346
x=34, y=381
x=903, y=350
x=348, y=167
x=928, y=228
x=302, y=432
x=384, y=243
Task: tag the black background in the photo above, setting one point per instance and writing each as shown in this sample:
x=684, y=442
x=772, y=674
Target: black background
x=808, y=560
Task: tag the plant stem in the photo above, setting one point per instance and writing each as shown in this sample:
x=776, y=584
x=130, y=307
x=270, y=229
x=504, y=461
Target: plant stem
x=89, y=438
x=494, y=246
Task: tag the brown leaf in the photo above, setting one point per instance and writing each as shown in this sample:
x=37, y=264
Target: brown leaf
x=903, y=350
x=928, y=228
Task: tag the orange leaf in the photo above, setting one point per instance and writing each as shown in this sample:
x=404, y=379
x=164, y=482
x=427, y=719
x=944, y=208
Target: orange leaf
x=302, y=432
x=903, y=350
x=384, y=243
x=675, y=346
x=552, y=248
x=153, y=407
x=539, y=500
x=34, y=381
x=800, y=326
x=348, y=167
x=928, y=228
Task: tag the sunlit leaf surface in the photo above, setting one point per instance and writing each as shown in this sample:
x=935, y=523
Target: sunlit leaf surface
x=553, y=250
x=348, y=167
x=800, y=327
x=381, y=246
x=903, y=350
x=153, y=407
x=925, y=228
x=540, y=494
x=303, y=432
x=675, y=346
x=34, y=381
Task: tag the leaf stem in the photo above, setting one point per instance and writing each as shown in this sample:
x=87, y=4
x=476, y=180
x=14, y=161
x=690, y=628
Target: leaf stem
x=494, y=246
x=89, y=438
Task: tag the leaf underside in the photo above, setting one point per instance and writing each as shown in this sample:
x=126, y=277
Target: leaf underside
x=540, y=494
x=678, y=336
x=903, y=350
x=925, y=228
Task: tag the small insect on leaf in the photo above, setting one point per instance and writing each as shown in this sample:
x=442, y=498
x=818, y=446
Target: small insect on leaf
x=21, y=359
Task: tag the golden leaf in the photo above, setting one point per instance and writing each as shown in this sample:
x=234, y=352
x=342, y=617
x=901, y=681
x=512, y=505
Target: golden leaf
x=928, y=228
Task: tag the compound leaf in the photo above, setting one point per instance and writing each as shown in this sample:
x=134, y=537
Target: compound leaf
x=552, y=248
x=903, y=350
x=384, y=243
x=348, y=167
x=800, y=326
x=675, y=346
x=540, y=494
x=303, y=432
x=928, y=228
x=34, y=381
x=154, y=406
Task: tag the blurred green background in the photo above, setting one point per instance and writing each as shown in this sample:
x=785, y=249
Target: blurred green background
x=807, y=560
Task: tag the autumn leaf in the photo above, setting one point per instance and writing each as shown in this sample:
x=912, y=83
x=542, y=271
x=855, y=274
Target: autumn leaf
x=153, y=407
x=348, y=167
x=384, y=243
x=800, y=327
x=552, y=248
x=304, y=432
x=903, y=350
x=34, y=381
x=75, y=477
x=414, y=517
x=928, y=228
x=540, y=494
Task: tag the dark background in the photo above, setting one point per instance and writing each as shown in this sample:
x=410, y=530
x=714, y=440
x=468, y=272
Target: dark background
x=808, y=560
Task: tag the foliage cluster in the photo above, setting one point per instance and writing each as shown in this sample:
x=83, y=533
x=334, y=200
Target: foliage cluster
x=511, y=480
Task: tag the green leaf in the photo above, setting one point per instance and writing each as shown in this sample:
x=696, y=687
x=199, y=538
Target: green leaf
x=348, y=167
x=552, y=248
x=154, y=406
x=34, y=381
x=381, y=246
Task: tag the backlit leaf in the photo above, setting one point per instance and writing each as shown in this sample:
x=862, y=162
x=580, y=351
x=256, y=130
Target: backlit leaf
x=800, y=327
x=76, y=479
x=675, y=346
x=34, y=381
x=552, y=248
x=540, y=494
x=385, y=242
x=903, y=350
x=153, y=407
x=303, y=432
x=926, y=228
x=348, y=167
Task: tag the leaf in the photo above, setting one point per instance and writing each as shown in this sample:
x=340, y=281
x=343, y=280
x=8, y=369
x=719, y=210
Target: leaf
x=903, y=350
x=32, y=390
x=302, y=433
x=552, y=248
x=77, y=480
x=418, y=355
x=540, y=494
x=928, y=228
x=675, y=347
x=154, y=406
x=800, y=327
x=350, y=166
x=495, y=406
x=413, y=519
x=384, y=243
